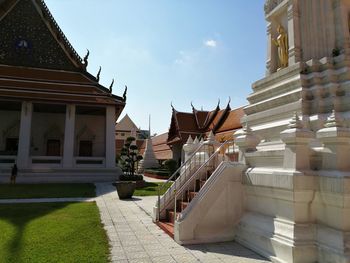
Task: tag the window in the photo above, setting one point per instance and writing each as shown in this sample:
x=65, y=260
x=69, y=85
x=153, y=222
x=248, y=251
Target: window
x=122, y=134
x=53, y=148
x=85, y=148
x=11, y=145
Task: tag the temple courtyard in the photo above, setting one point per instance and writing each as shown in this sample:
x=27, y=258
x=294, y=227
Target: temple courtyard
x=132, y=236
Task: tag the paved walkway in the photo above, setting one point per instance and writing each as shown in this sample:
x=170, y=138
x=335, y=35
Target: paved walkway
x=134, y=238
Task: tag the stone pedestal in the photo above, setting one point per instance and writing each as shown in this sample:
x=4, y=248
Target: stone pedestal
x=332, y=200
x=295, y=213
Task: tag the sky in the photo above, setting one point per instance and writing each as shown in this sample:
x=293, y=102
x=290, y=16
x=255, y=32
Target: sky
x=169, y=51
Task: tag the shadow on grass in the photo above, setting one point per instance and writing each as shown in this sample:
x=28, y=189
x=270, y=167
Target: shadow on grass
x=63, y=190
x=19, y=216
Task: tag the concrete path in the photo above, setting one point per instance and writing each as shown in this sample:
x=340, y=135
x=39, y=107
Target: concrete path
x=134, y=238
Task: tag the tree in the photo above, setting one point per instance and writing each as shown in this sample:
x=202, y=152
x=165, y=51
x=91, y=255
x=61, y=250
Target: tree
x=129, y=157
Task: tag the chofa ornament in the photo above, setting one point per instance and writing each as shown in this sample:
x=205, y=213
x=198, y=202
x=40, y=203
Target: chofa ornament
x=271, y=4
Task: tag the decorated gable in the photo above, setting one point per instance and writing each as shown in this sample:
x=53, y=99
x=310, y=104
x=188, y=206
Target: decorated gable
x=31, y=38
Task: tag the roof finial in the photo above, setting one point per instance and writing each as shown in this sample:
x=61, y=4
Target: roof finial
x=111, y=86
x=172, y=106
x=98, y=74
x=193, y=108
x=229, y=100
x=86, y=62
x=218, y=103
x=125, y=92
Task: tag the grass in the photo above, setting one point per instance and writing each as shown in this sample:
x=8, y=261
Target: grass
x=46, y=190
x=151, y=189
x=52, y=232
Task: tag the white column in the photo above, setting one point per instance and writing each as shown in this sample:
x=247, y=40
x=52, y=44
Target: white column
x=110, y=137
x=69, y=132
x=24, y=136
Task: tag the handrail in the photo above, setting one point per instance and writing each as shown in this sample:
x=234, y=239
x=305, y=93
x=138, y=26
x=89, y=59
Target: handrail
x=188, y=161
x=188, y=183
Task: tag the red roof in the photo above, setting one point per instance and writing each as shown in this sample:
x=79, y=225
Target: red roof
x=199, y=123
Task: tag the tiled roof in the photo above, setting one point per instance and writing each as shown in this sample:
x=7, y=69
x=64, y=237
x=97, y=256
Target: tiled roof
x=232, y=121
x=52, y=85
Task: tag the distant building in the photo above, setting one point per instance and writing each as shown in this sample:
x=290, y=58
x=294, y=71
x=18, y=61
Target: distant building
x=127, y=128
x=198, y=123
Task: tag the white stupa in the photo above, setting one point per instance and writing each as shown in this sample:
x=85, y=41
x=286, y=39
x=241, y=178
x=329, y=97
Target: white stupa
x=149, y=159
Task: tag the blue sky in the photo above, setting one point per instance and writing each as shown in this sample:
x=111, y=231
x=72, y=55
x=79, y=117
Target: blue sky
x=169, y=51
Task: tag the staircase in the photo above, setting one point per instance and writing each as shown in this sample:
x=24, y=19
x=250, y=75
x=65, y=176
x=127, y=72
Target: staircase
x=193, y=176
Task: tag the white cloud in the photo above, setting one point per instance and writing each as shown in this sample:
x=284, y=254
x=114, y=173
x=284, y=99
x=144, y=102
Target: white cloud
x=210, y=43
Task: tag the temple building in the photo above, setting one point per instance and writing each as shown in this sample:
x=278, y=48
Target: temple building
x=57, y=123
x=198, y=123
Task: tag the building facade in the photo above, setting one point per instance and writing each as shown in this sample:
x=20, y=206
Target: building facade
x=57, y=123
x=127, y=128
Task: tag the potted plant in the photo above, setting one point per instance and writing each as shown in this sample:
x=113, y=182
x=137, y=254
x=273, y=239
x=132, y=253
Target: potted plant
x=127, y=161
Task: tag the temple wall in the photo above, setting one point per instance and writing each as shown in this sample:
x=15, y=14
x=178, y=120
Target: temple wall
x=90, y=127
x=46, y=126
x=9, y=126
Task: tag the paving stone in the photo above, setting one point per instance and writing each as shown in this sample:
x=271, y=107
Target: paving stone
x=158, y=253
x=136, y=255
x=163, y=259
x=134, y=238
x=141, y=260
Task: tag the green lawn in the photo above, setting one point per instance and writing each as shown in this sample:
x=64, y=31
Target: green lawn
x=52, y=232
x=46, y=190
x=151, y=189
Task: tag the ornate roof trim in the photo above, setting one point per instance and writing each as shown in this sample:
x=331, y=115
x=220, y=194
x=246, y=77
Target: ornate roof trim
x=211, y=117
x=223, y=117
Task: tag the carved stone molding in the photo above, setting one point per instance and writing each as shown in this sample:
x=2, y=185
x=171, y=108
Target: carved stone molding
x=271, y=4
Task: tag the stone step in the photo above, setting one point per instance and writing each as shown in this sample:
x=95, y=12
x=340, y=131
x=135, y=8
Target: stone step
x=171, y=216
x=167, y=227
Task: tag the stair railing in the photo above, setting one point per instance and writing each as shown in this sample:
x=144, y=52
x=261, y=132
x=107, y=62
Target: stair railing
x=180, y=176
x=199, y=178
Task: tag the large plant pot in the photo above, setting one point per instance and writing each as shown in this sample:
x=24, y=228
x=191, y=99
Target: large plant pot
x=125, y=189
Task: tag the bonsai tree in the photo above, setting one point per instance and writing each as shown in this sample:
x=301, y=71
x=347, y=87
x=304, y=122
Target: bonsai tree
x=129, y=157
